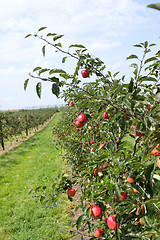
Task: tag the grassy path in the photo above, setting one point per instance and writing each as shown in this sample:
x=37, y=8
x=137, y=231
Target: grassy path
x=31, y=164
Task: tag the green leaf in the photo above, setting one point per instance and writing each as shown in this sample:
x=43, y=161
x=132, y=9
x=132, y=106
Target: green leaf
x=150, y=59
x=54, y=79
x=57, y=37
x=132, y=56
x=118, y=89
x=28, y=35
x=80, y=221
x=26, y=83
x=154, y=6
x=152, y=44
x=38, y=89
x=36, y=69
x=149, y=172
x=138, y=45
x=64, y=59
x=44, y=50
x=43, y=70
x=117, y=190
x=136, y=165
x=127, y=103
x=77, y=46
x=145, y=78
x=131, y=86
x=129, y=140
x=117, y=233
x=51, y=34
x=115, y=74
x=56, y=71
x=55, y=89
x=149, y=190
x=58, y=45
x=42, y=28
x=134, y=65
x=145, y=44
x=109, y=73
x=158, y=53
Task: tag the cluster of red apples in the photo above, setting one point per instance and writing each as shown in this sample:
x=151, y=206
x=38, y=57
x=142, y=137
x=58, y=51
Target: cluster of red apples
x=96, y=211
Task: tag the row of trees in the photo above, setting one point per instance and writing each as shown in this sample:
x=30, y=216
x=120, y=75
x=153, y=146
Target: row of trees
x=111, y=135
x=13, y=123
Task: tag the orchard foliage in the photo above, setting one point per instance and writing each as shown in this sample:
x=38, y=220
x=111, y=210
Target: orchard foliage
x=110, y=154
x=13, y=123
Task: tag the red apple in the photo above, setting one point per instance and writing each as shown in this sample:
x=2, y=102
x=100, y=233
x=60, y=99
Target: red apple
x=93, y=150
x=98, y=233
x=101, y=146
x=143, y=209
x=76, y=122
x=59, y=136
x=111, y=221
x=105, y=165
x=71, y=192
x=158, y=162
x=130, y=180
x=125, y=175
x=96, y=171
x=92, y=141
x=123, y=196
x=137, y=132
x=155, y=151
x=96, y=212
x=149, y=107
x=88, y=180
x=105, y=219
x=85, y=73
x=79, y=124
x=105, y=115
x=141, y=223
x=71, y=104
x=135, y=191
x=82, y=118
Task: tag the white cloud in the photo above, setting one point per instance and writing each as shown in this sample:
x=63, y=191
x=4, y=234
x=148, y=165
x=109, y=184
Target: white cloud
x=7, y=70
x=81, y=21
x=101, y=46
x=68, y=16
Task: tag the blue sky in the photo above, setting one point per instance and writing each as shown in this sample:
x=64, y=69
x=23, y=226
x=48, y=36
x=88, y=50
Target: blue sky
x=108, y=28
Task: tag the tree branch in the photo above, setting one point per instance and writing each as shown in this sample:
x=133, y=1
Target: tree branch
x=135, y=145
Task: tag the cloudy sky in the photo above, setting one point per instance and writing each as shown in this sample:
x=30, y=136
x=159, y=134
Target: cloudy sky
x=108, y=28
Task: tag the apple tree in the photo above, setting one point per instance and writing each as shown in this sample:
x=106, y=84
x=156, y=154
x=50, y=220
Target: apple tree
x=110, y=133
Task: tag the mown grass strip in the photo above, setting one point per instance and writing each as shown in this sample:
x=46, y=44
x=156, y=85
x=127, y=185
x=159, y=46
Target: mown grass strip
x=33, y=163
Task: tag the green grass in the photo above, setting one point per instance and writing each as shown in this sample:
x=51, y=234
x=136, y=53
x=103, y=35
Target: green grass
x=32, y=164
